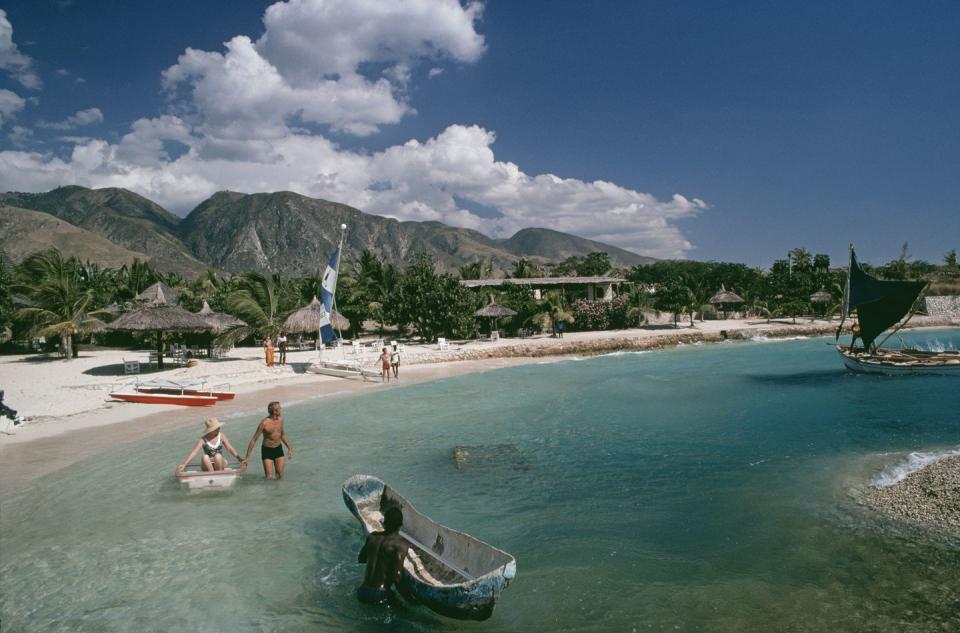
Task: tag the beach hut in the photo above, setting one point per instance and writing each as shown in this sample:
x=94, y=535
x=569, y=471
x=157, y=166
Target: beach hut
x=219, y=323
x=306, y=320
x=821, y=297
x=493, y=311
x=172, y=296
x=725, y=298
x=159, y=316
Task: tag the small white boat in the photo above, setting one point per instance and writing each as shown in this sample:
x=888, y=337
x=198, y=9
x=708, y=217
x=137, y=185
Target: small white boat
x=449, y=572
x=901, y=362
x=344, y=368
x=194, y=479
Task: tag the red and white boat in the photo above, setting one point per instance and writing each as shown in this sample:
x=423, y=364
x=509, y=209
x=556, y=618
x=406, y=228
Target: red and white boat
x=169, y=392
x=184, y=389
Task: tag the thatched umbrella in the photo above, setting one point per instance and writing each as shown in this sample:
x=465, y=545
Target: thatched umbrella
x=494, y=311
x=172, y=296
x=306, y=320
x=159, y=316
x=219, y=323
x=724, y=298
x=821, y=296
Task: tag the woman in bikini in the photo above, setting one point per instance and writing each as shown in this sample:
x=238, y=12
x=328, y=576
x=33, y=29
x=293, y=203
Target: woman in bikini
x=212, y=444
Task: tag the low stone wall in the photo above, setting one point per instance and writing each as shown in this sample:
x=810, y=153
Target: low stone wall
x=944, y=307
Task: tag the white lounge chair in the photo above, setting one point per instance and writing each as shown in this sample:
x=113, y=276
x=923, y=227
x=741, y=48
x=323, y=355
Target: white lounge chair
x=131, y=367
x=442, y=344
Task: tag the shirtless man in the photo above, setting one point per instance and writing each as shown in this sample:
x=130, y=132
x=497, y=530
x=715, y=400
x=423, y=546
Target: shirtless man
x=271, y=451
x=384, y=553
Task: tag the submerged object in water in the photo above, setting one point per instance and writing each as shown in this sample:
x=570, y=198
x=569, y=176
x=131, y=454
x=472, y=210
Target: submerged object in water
x=194, y=479
x=458, y=576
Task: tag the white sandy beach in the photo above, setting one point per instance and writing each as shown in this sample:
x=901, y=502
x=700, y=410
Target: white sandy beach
x=70, y=415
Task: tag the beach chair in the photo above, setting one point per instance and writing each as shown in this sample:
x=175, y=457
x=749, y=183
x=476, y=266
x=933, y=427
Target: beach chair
x=357, y=348
x=154, y=359
x=442, y=344
x=131, y=367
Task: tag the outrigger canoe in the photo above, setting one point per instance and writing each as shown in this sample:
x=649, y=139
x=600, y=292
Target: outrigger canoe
x=343, y=369
x=165, y=398
x=184, y=389
x=195, y=479
x=450, y=572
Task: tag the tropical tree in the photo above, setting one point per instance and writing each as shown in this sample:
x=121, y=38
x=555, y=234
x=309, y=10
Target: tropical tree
x=434, y=304
x=56, y=302
x=523, y=268
x=257, y=300
x=594, y=265
x=675, y=297
x=950, y=259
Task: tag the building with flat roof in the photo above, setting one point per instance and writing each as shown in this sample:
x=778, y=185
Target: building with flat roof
x=598, y=288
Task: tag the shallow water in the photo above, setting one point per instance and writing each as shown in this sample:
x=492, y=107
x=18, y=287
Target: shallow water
x=707, y=488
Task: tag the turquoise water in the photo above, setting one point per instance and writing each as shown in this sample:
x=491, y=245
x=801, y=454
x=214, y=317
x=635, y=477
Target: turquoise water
x=703, y=488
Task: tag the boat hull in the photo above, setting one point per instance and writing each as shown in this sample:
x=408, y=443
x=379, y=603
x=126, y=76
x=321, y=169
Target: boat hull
x=342, y=371
x=194, y=479
x=897, y=363
x=219, y=395
x=439, y=576
x=162, y=398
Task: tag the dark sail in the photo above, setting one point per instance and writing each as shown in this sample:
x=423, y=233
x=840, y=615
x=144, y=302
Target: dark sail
x=879, y=303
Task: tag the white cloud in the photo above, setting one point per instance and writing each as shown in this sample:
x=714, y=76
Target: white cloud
x=20, y=66
x=10, y=104
x=309, y=64
x=90, y=116
x=242, y=122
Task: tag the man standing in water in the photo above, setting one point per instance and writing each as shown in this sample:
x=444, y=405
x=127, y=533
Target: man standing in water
x=384, y=553
x=271, y=451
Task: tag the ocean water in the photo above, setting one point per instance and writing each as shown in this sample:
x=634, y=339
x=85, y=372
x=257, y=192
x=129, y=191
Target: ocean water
x=702, y=488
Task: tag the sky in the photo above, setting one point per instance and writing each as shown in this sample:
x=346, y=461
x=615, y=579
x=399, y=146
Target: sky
x=707, y=130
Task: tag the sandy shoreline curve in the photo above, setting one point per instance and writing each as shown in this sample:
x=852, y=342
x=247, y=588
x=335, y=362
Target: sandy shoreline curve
x=71, y=418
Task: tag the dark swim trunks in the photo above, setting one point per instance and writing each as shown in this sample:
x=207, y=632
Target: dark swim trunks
x=271, y=453
x=372, y=595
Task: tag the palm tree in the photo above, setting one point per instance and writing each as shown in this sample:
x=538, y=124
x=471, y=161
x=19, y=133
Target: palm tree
x=56, y=302
x=256, y=300
x=551, y=309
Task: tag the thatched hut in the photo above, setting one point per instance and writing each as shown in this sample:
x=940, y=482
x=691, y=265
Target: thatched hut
x=494, y=311
x=821, y=297
x=725, y=298
x=219, y=323
x=306, y=320
x=159, y=316
x=172, y=296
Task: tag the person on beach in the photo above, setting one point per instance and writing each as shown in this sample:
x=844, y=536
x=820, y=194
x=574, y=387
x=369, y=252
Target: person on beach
x=212, y=443
x=384, y=553
x=395, y=361
x=561, y=326
x=271, y=450
x=282, y=346
x=385, y=364
x=268, y=350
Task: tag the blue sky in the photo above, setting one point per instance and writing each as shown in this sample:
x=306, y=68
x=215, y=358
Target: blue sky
x=707, y=130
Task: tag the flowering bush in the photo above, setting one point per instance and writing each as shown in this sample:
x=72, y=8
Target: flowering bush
x=601, y=315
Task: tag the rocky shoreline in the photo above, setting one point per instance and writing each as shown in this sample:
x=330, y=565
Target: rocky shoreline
x=929, y=497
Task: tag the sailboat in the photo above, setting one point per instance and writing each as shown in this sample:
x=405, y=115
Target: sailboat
x=341, y=368
x=883, y=305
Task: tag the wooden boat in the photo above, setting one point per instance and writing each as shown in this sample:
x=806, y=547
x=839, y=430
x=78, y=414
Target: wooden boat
x=343, y=368
x=183, y=389
x=880, y=305
x=195, y=479
x=448, y=571
x=164, y=398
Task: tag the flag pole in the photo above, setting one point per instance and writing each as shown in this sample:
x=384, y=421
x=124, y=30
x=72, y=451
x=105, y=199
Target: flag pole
x=343, y=230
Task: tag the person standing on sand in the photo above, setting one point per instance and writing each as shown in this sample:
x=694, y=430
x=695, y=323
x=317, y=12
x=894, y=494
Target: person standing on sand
x=385, y=364
x=268, y=350
x=395, y=361
x=271, y=450
x=384, y=553
x=561, y=326
x=212, y=443
x=282, y=345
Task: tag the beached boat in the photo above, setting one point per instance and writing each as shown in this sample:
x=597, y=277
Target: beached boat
x=164, y=398
x=344, y=368
x=882, y=305
x=448, y=571
x=196, y=388
x=195, y=479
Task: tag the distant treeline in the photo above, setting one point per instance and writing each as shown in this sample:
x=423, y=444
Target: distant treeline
x=49, y=295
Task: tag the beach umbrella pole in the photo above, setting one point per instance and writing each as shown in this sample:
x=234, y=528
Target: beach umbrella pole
x=159, y=349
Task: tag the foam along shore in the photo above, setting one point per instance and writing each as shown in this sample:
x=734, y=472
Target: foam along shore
x=923, y=489
x=62, y=400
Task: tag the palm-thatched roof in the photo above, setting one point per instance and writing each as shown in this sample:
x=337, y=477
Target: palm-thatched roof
x=93, y=326
x=494, y=310
x=172, y=296
x=158, y=315
x=725, y=296
x=219, y=322
x=821, y=296
x=307, y=319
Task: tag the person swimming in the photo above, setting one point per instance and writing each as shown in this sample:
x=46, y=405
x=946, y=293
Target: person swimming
x=384, y=553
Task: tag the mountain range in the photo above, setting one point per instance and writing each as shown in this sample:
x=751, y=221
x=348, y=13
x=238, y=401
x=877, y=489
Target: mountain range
x=234, y=232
